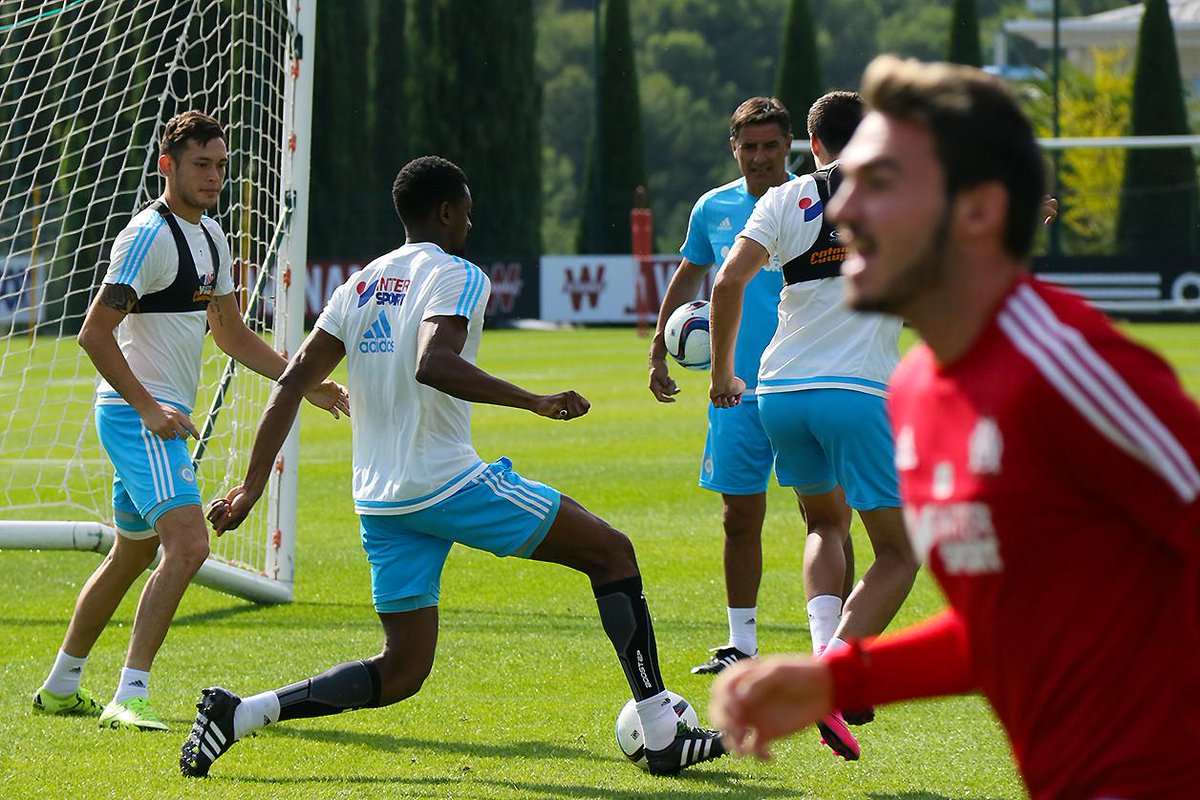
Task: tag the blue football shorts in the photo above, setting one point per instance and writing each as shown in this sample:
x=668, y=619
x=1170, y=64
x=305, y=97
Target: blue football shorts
x=498, y=511
x=737, y=452
x=826, y=438
x=151, y=475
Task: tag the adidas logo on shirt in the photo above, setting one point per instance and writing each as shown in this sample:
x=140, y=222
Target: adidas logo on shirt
x=378, y=337
x=725, y=225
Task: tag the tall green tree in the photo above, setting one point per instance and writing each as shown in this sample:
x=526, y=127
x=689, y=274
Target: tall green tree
x=964, y=35
x=798, y=81
x=337, y=222
x=1158, y=198
x=387, y=69
x=616, y=165
x=474, y=98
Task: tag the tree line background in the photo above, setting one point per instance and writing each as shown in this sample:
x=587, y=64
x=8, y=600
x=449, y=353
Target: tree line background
x=506, y=88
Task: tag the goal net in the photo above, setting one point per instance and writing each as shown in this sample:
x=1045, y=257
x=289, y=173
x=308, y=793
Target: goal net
x=85, y=88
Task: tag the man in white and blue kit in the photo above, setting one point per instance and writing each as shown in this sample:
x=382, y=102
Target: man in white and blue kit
x=409, y=326
x=822, y=387
x=169, y=276
x=737, y=453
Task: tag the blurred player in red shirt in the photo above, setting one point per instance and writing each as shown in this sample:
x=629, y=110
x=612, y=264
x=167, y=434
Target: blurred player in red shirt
x=1048, y=467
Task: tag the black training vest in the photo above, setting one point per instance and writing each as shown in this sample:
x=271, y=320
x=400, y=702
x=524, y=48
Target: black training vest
x=824, y=259
x=184, y=293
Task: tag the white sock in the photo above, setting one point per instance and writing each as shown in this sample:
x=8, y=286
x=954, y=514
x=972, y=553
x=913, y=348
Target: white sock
x=254, y=713
x=835, y=643
x=65, y=674
x=824, y=614
x=133, y=683
x=659, y=721
x=743, y=629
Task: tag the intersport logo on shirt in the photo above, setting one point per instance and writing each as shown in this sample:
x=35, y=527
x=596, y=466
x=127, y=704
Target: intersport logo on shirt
x=386, y=291
x=378, y=337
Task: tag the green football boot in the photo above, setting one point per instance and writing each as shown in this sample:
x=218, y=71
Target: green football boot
x=136, y=714
x=80, y=703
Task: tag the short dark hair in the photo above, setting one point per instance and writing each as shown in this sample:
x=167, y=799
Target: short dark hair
x=833, y=118
x=193, y=126
x=979, y=131
x=760, y=111
x=425, y=183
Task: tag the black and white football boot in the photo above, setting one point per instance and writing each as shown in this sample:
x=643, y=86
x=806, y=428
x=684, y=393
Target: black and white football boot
x=211, y=734
x=722, y=657
x=691, y=746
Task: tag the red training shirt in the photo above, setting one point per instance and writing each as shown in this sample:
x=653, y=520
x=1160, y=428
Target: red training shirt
x=1050, y=481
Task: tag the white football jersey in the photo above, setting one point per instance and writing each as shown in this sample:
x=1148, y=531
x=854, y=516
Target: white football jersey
x=164, y=349
x=412, y=443
x=819, y=342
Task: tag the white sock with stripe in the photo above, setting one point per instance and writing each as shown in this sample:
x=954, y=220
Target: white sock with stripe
x=254, y=713
x=133, y=683
x=659, y=721
x=824, y=615
x=743, y=629
x=65, y=674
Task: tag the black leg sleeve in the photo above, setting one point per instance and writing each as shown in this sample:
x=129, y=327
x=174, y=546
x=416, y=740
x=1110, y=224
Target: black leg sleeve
x=626, y=620
x=345, y=687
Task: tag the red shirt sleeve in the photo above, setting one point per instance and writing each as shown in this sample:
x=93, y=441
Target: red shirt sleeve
x=1129, y=436
x=926, y=660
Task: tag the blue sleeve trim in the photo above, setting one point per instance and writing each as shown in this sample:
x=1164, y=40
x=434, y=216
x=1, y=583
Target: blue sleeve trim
x=472, y=290
x=137, y=253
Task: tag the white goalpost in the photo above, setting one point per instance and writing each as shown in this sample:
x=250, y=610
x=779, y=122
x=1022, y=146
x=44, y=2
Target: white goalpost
x=85, y=88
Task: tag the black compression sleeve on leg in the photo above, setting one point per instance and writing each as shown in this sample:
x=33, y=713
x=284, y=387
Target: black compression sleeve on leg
x=626, y=620
x=345, y=687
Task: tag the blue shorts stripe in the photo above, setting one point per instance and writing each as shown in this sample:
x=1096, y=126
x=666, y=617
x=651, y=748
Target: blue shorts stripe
x=526, y=500
x=519, y=490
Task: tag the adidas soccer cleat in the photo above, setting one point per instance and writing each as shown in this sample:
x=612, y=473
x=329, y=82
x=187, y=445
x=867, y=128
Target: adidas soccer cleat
x=722, y=658
x=134, y=714
x=691, y=746
x=838, y=738
x=211, y=734
x=81, y=703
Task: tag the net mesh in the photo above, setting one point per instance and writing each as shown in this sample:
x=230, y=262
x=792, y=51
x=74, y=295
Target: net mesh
x=85, y=88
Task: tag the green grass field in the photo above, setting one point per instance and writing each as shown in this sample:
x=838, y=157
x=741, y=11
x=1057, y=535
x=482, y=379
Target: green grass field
x=525, y=689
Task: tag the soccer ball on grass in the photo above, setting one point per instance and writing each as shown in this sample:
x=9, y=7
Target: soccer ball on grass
x=629, y=728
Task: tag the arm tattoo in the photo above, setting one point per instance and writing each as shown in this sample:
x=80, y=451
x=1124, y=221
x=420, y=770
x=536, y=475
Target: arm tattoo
x=120, y=296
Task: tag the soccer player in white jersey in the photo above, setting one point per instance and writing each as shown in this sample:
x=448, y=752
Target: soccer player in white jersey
x=409, y=326
x=737, y=456
x=822, y=388
x=170, y=275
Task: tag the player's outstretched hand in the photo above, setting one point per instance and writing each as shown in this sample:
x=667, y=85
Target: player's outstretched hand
x=168, y=422
x=726, y=394
x=332, y=397
x=756, y=702
x=662, y=385
x=564, y=405
x=230, y=511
